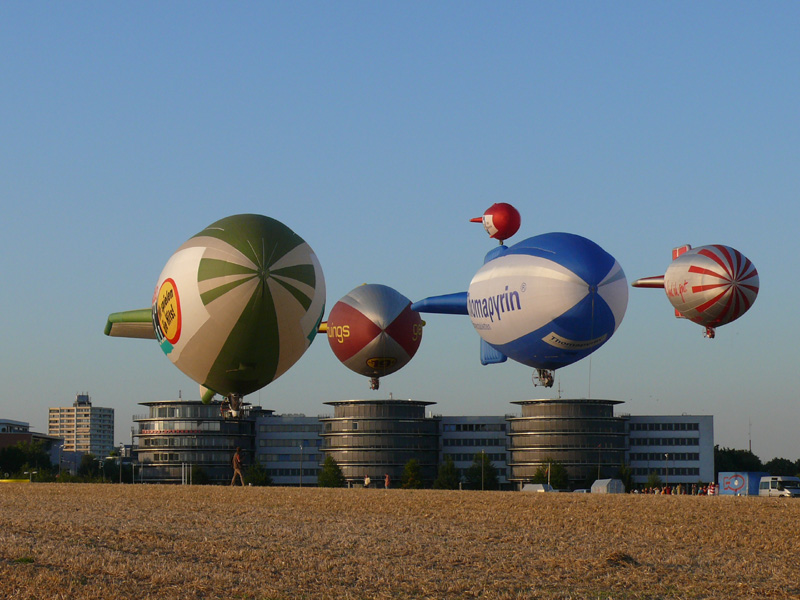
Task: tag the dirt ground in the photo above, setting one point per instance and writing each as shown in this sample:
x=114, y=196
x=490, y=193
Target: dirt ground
x=146, y=541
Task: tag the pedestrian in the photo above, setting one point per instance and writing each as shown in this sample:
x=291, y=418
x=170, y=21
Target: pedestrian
x=386, y=481
x=237, y=467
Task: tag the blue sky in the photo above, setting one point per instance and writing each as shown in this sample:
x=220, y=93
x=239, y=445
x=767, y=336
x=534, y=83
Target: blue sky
x=375, y=131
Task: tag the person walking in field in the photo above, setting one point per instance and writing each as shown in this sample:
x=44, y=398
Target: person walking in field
x=237, y=467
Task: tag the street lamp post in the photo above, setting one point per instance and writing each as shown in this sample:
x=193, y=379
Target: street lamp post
x=483, y=461
x=666, y=470
x=301, y=465
x=599, y=446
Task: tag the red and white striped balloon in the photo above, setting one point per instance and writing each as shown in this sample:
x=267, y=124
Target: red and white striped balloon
x=711, y=285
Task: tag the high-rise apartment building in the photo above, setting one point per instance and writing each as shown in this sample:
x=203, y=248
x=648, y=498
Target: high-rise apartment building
x=83, y=427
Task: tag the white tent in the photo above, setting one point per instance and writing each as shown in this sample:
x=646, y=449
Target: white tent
x=608, y=486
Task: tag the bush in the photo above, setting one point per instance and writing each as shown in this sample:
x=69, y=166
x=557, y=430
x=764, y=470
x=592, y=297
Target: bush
x=482, y=474
x=412, y=478
x=330, y=475
x=447, y=478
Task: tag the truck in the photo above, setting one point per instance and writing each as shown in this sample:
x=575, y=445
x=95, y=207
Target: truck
x=779, y=485
x=739, y=483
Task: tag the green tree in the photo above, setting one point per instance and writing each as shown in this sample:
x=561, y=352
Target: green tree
x=89, y=467
x=447, y=478
x=412, y=476
x=730, y=459
x=330, y=475
x=559, y=478
x=653, y=480
x=257, y=475
x=199, y=476
x=482, y=474
x=625, y=474
x=25, y=456
x=781, y=466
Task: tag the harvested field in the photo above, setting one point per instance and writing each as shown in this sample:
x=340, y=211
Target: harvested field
x=139, y=541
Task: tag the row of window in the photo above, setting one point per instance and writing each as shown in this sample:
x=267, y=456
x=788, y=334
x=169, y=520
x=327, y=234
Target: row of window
x=660, y=456
x=292, y=472
x=665, y=441
x=191, y=412
x=190, y=441
x=474, y=442
x=671, y=472
x=279, y=443
x=405, y=427
x=665, y=426
x=381, y=443
x=308, y=458
x=180, y=426
x=315, y=428
x=492, y=456
x=223, y=458
x=468, y=427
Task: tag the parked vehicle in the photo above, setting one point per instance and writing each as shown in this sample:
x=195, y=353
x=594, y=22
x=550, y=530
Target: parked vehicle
x=779, y=485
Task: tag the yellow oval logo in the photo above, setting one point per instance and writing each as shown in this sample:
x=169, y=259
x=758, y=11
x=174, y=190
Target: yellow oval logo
x=168, y=311
x=381, y=363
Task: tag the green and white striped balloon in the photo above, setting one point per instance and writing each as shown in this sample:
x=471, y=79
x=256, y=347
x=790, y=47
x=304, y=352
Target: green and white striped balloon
x=239, y=303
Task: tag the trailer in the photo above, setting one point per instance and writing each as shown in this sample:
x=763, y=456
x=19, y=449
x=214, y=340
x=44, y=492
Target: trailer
x=739, y=483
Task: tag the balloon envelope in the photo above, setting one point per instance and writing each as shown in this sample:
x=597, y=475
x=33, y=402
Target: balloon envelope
x=373, y=331
x=239, y=303
x=548, y=301
x=711, y=285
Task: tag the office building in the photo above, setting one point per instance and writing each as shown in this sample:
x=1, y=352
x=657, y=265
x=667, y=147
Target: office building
x=462, y=438
x=83, y=427
x=678, y=449
x=182, y=441
x=372, y=438
x=289, y=447
x=375, y=438
x=583, y=435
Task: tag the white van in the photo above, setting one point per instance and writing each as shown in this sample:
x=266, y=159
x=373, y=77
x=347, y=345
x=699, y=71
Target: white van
x=779, y=486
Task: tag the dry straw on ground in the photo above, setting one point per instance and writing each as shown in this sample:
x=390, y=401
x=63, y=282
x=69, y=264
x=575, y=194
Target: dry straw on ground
x=126, y=541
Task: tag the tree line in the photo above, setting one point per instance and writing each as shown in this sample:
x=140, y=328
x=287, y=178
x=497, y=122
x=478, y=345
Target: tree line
x=30, y=460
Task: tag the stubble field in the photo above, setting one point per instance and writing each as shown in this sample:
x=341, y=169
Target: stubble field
x=112, y=541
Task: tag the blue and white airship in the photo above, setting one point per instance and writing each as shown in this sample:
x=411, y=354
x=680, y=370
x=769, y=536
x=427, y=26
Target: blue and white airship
x=545, y=302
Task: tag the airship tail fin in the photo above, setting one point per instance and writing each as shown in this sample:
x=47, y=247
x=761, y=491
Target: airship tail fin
x=449, y=304
x=676, y=252
x=490, y=355
x=131, y=324
x=649, y=282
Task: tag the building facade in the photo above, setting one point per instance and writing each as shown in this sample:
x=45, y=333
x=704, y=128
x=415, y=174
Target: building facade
x=583, y=435
x=462, y=438
x=376, y=438
x=678, y=449
x=15, y=432
x=83, y=427
x=181, y=441
x=372, y=438
x=289, y=447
